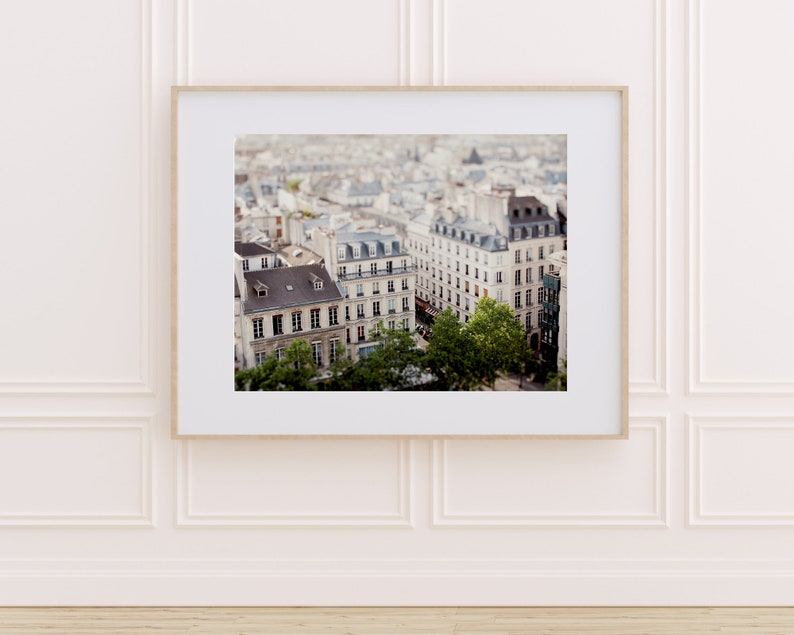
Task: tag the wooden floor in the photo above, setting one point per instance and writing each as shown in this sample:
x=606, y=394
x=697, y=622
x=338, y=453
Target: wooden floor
x=391, y=621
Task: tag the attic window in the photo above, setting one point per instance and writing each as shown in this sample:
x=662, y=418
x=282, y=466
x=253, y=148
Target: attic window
x=318, y=284
x=356, y=252
x=387, y=249
x=289, y=287
x=261, y=289
x=340, y=252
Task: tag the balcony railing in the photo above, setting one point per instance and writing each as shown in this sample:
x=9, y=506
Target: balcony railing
x=395, y=271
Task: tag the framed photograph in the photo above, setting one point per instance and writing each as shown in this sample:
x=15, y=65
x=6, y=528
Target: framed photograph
x=399, y=262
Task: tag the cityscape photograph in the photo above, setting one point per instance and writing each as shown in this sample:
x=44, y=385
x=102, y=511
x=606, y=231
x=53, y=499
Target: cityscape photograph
x=400, y=262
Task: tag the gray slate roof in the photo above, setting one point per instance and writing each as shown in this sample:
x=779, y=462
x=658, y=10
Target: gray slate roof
x=363, y=240
x=246, y=250
x=301, y=279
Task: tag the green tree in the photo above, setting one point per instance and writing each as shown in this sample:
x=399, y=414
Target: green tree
x=451, y=354
x=297, y=371
x=396, y=364
x=498, y=338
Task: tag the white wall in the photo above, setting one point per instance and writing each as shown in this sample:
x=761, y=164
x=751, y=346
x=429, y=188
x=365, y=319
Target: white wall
x=99, y=506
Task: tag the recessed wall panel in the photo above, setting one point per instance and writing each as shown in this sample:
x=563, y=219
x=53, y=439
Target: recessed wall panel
x=741, y=471
x=251, y=42
x=742, y=135
x=300, y=482
x=75, y=472
x=73, y=144
x=515, y=483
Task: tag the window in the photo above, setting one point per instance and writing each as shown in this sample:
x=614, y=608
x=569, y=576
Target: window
x=318, y=285
x=391, y=306
x=314, y=318
x=466, y=286
x=389, y=266
x=406, y=324
x=517, y=276
x=517, y=233
x=528, y=297
x=259, y=358
x=551, y=230
x=361, y=335
x=278, y=325
x=390, y=286
x=404, y=284
x=551, y=248
x=340, y=253
x=466, y=303
x=359, y=311
x=457, y=265
x=457, y=299
x=485, y=276
x=280, y=353
x=342, y=272
x=517, y=300
x=528, y=322
x=529, y=254
x=376, y=308
x=499, y=295
x=373, y=267
x=476, y=273
x=376, y=287
x=498, y=276
x=317, y=353
x=334, y=350
x=529, y=275
x=541, y=231
x=518, y=256
x=245, y=265
x=372, y=251
x=297, y=322
x=359, y=270
x=477, y=291
x=347, y=313
x=387, y=249
x=392, y=325
x=540, y=295
x=264, y=263
x=359, y=290
x=405, y=304
x=540, y=273
x=333, y=316
x=540, y=253
x=356, y=252
x=485, y=259
x=467, y=270
x=449, y=296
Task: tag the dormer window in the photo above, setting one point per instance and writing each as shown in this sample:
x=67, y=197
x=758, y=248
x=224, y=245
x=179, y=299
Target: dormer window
x=372, y=251
x=356, y=252
x=340, y=253
x=318, y=284
x=261, y=289
x=387, y=249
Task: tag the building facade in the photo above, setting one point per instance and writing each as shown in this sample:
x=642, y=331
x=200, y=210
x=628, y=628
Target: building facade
x=279, y=306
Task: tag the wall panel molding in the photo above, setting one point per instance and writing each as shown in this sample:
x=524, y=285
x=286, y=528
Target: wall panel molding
x=738, y=471
x=697, y=382
x=400, y=517
x=654, y=516
x=99, y=467
x=142, y=386
x=658, y=385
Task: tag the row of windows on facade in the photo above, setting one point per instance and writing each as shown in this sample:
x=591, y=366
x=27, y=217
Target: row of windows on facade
x=334, y=351
x=376, y=288
x=361, y=330
x=376, y=308
x=277, y=322
x=373, y=269
x=517, y=258
x=372, y=250
x=517, y=277
x=264, y=263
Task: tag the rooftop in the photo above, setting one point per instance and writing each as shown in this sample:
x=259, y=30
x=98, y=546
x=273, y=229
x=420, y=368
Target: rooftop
x=286, y=287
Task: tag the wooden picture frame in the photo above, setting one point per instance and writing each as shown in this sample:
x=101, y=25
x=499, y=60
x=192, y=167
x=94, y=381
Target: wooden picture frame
x=206, y=121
